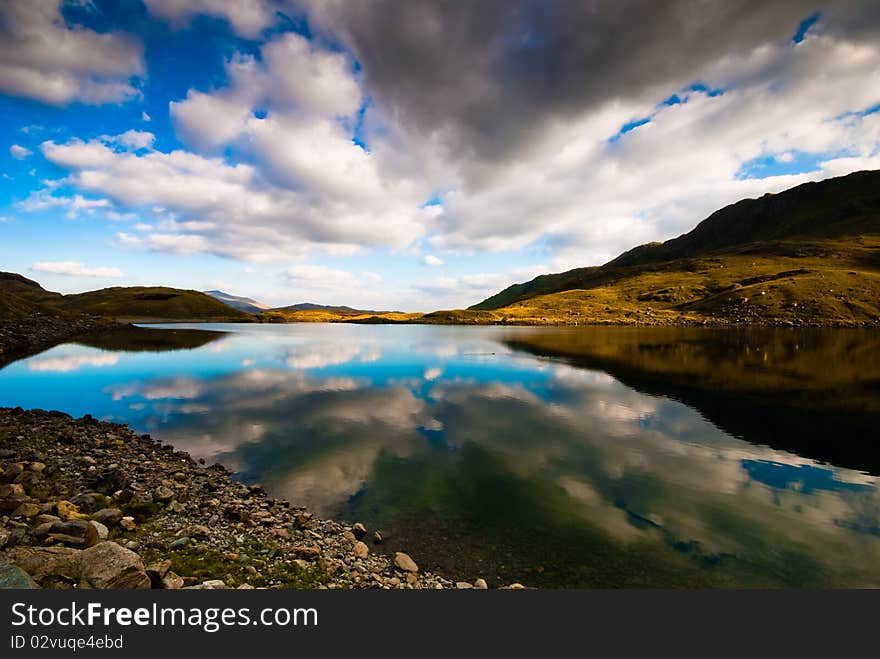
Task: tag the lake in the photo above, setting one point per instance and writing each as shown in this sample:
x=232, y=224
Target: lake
x=556, y=457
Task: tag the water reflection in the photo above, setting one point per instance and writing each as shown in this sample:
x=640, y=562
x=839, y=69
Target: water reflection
x=498, y=453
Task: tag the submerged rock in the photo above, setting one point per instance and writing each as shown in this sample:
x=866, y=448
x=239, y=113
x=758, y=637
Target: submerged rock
x=403, y=562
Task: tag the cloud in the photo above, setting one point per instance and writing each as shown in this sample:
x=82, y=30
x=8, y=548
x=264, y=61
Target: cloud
x=145, y=117
x=69, y=363
x=75, y=269
x=430, y=259
x=19, y=152
x=133, y=139
x=247, y=17
x=41, y=200
x=43, y=58
x=308, y=187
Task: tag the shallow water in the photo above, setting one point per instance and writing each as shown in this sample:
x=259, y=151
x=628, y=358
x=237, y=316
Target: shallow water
x=553, y=457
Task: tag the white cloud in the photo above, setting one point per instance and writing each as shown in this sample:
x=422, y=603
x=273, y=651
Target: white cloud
x=75, y=269
x=133, y=139
x=19, y=152
x=69, y=363
x=44, y=59
x=430, y=259
x=145, y=117
x=247, y=17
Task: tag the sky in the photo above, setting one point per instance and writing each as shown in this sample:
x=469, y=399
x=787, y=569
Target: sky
x=410, y=155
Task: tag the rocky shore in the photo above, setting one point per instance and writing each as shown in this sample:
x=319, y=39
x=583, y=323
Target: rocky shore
x=90, y=504
x=22, y=337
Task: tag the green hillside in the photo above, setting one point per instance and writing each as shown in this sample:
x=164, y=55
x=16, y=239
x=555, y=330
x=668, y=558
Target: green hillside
x=805, y=256
x=152, y=303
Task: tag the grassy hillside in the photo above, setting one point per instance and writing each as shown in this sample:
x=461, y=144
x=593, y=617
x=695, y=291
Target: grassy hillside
x=152, y=303
x=810, y=255
x=331, y=315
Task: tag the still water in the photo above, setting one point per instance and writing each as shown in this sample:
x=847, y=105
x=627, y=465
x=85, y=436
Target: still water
x=554, y=457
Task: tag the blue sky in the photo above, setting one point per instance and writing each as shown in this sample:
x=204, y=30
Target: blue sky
x=272, y=150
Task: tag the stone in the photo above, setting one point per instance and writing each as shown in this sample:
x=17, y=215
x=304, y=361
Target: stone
x=89, y=500
x=199, y=531
x=103, y=531
x=67, y=510
x=171, y=581
x=127, y=523
x=42, y=562
x=377, y=538
x=404, y=563
x=176, y=507
x=26, y=510
x=43, y=519
x=13, y=577
x=180, y=543
x=359, y=530
x=480, y=584
x=245, y=586
x=463, y=585
x=75, y=533
x=360, y=549
x=108, y=516
x=163, y=494
x=11, y=472
x=109, y=566
x=307, y=553
x=211, y=584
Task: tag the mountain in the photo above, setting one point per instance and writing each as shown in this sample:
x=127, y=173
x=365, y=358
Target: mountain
x=809, y=255
x=245, y=304
x=20, y=297
x=154, y=303
x=343, y=310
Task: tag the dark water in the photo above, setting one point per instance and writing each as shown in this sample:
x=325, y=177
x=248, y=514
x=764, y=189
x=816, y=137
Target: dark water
x=554, y=457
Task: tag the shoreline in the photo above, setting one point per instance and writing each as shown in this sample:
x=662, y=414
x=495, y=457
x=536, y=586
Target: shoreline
x=92, y=504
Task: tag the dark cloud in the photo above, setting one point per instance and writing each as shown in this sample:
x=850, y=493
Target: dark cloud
x=489, y=75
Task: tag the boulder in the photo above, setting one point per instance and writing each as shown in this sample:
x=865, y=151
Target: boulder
x=163, y=494
x=403, y=562
x=75, y=533
x=108, y=566
x=42, y=562
x=13, y=577
x=103, y=531
x=359, y=530
x=360, y=549
x=108, y=516
x=480, y=584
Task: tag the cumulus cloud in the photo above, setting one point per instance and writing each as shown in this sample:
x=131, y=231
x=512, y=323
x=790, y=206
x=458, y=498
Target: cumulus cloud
x=247, y=17
x=75, y=269
x=430, y=259
x=43, y=58
x=19, y=152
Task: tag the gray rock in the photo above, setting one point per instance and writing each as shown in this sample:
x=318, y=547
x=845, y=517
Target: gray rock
x=108, y=566
x=75, y=533
x=127, y=523
x=13, y=577
x=103, y=531
x=108, y=516
x=179, y=543
x=403, y=562
x=163, y=494
x=211, y=584
x=42, y=562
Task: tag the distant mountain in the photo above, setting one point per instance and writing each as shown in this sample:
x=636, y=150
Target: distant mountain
x=819, y=243
x=341, y=310
x=245, y=304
